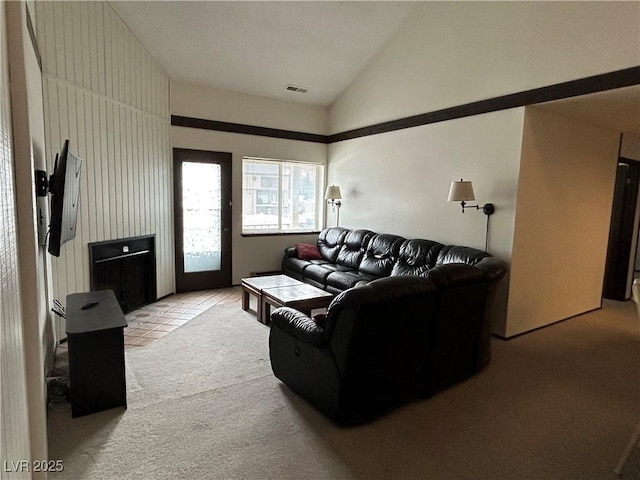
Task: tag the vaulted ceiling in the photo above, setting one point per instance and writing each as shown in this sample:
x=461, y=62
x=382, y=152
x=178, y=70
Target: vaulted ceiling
x=260, y=47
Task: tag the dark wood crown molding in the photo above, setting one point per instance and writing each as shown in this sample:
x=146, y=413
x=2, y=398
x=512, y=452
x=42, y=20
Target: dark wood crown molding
x=574, y=88
x=179, y=121
x=584, y=86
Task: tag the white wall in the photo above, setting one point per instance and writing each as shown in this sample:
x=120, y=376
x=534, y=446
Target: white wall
x=105, y=93
x=259, y=253
x=452, y=53
x=29, y=146
x=565, y=195
x=14, y=413
x=630, y=146
x=226, y=106
x=398, y=182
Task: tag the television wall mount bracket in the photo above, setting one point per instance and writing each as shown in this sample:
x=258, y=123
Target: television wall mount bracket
x=42, y=184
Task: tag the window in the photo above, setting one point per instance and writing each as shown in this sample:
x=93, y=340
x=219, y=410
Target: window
x=281, y=196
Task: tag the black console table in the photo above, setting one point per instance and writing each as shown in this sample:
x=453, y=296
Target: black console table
x=95, y=326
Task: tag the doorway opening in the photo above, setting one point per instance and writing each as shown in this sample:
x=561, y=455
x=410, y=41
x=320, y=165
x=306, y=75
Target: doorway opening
x=623, y=261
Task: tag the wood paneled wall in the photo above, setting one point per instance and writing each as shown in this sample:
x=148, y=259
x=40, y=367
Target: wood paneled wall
x=105, y=93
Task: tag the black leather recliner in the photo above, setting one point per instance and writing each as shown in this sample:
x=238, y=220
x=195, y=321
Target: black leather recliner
x=369, y=356
x=459, y=311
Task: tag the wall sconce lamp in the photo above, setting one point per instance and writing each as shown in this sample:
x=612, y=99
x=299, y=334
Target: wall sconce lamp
x=462, y=192
x=332, y=196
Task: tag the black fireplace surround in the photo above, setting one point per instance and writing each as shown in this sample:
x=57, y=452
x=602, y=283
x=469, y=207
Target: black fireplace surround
x=128, y=267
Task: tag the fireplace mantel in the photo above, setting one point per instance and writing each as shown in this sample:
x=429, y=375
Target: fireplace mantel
x=128, y=267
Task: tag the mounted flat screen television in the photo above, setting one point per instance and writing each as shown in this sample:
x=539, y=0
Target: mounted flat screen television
x=64, y=187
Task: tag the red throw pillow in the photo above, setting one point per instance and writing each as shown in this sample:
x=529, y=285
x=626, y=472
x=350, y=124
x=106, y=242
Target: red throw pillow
x=306, y=251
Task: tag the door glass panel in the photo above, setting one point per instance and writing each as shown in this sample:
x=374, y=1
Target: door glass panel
x=201, y=213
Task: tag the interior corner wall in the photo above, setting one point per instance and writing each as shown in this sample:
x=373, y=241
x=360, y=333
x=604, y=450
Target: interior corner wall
x=109, y=97
x=249, y=253
x=565, y=195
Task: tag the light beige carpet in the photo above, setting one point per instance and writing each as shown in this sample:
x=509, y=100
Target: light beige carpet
x=557, y=403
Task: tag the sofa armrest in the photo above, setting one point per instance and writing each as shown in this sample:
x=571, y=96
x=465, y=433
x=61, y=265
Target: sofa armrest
x=291, y=252
x=453, y=275
x=298, y=325
x=493, y=268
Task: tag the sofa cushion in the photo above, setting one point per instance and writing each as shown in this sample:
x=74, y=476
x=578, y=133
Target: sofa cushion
x=306, y=251
x=457, y=254
x=380, y=255
x=319, y=272
x=352, y=250
x=294, y=265
x=330, y=241
x=416, y=257
x=344, y=280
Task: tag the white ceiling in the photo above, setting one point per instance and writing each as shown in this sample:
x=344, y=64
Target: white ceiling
x=260, y=47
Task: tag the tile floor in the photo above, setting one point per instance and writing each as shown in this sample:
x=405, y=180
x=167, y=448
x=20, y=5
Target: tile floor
x=154, y=321
x=158, y=319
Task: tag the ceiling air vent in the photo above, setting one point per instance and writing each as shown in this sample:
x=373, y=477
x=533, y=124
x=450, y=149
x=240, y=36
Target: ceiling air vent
x=295, y=88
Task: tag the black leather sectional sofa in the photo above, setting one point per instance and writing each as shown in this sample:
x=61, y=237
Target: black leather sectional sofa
x=353, y=256
x=418, y=321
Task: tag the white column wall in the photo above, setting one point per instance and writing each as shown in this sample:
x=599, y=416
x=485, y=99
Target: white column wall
x=565, y=195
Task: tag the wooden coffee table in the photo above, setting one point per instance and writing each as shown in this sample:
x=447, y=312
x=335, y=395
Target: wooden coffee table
x=255, y=286
x=303, y=297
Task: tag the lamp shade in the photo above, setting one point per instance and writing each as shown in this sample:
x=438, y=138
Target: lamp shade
x=461, y=191
x=332, y=193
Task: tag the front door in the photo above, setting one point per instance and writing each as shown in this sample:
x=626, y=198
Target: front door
x=202, y=203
